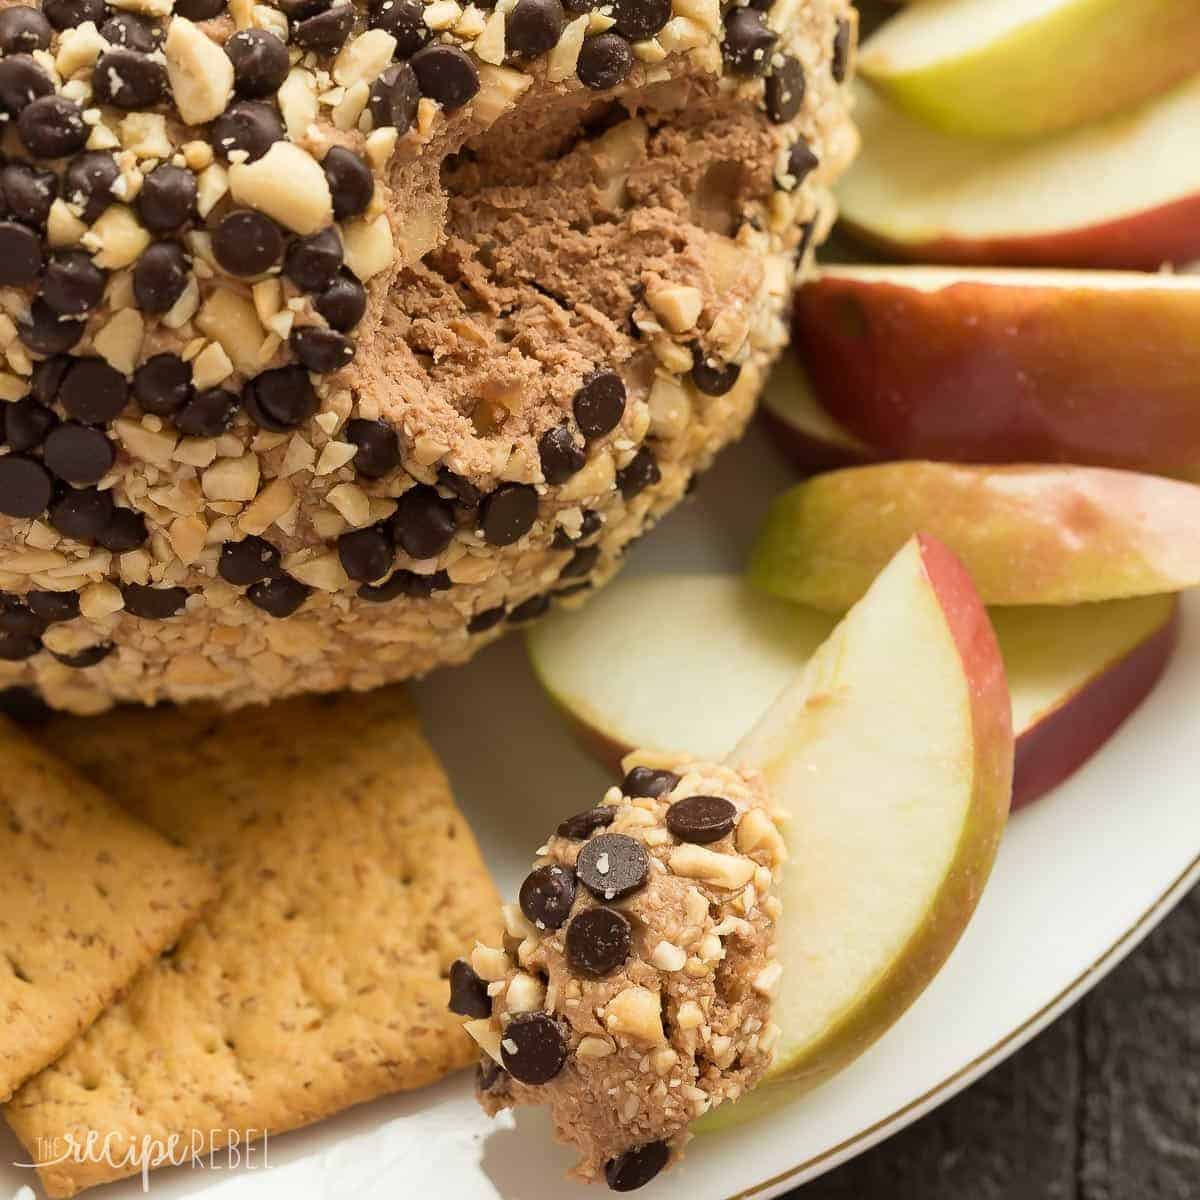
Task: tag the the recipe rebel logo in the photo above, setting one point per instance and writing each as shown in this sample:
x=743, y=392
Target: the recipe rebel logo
x=203, y=1150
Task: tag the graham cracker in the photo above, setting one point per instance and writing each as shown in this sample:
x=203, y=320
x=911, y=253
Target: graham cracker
x=88, y=897
x=349, y=883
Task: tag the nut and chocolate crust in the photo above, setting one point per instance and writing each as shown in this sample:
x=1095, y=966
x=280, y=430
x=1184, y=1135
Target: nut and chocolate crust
x=337, y=338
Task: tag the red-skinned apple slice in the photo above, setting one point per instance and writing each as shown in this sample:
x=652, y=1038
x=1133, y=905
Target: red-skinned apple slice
x=1008, y=365
x=1121, y=193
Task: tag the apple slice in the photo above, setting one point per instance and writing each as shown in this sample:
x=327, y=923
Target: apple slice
x=613, y=668
x=1024, y=68
x=1027, y=534
x=1007, y=365
x=1122, y=193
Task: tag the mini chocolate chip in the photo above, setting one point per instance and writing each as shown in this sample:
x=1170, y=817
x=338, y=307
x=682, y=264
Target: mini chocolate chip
x=613, y=866
x=604, y=61
x=583, y=824
x=160, y=277
x=53, y=607
x=27, y=424
x=23, y=29
x=636, y=1167
x=749, y=42
x=509, y=513
x=93, y=392
x=481, y=622
x=312, y=263
x=801, y=163
x=366, y=554
x=16, y=648
x=66, y=14
x=208, y=413
x=640, y=19
x=78, y=453
x=321, y=350
x=248, y=125
x=278, y=597
x=247, y=243
x=28, y=192
x=783, y=94
x=599, y=404
x=405, y=583
x=248, y=561
x=711, y=376
x=327, y=31
x=343, y=302
x=581, y=562
x=88, y=657
x=126, y=531
x=841, y=52
x=394, y=97
x=153, y=603
x=162, y=385
x=167, y=198
x=648, y=782
x=378, y=447
x=423, y=522
x=45, y=332
x=547, y=895
x=72, y=285
x=260, y=62
x=530, y=610
x=199, y=10
x=82, y=513
x=25, y=486
x=405, y=21
x=560, y=456
x=468, y=993
x=88, y=182
x=16, y=618
x=129, y=80
x=641, y=472
x=701, y=819
x=132, y=33
x=598, y=941
x=446, y=74
x=52, y=126
x=20, y=253
x=280, y=399
x=22, y=81
x=534, y=1048
x=534, y=27
x=350, y=181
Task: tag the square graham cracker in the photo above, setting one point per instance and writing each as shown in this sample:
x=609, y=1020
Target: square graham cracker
x=349, y=884
x=88, y=897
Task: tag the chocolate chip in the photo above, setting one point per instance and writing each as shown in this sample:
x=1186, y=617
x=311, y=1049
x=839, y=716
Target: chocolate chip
x=532, y=608
x=66, y=14
x=405, y=583
x=446, y=74
x=16, y=648
x=153, y=603
x=93, y=392
x=489, y=1075
x=82, y=513
x=636, y=1167
x=321, y=350
x=583, y=824
x=350, y=181
x=599, y=404
x=72, y=285
x=88, y=657
x=640, y=19
x=378, y=447
x=45, y=332
x=16, y=618
x=343, y=302
x=749, y=42
x=405, y=21
x=20, y=253
x=465, y=492
x=423, y=522
x=278, y=597
x=22, y=81
x=129, y=80
x=247, y=243
x=613, y=866
x=591, y=524
x=547, y=895
x=208, y=413
x=604, y=61
x=534, y=1048
x=248, y=561
x=312, y=263
x=509, y=513
x=394, y=97
x=126, y=531
x=701, y=819
x=47, y=378
x=23, y=29
x=560, y=456
x=78, y=454
x=327, y=31
x=25, y=486
x=366, y=554
x=27, y=424
x=167, y=198
x=52, y=126
x=280, y=399
x=248, y=125
x=162, y=385
x=711, y=376
x=783, y=94
x=581, y=562
x=841, y=52
x=260, y=62
x=88, y=182
x=132, y=33
x=481, y=622
x=299, y=10
x=534, y=27
x=801, y=163
x=647, y=782
x=598, y=941
x=200, y=10
x=641, y=472
x=53, y=607
x=468, y=993
x=28, y=192
x=160, y=277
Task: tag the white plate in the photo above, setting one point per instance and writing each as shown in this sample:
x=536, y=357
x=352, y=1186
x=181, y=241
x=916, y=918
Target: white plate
x=1082, y=877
